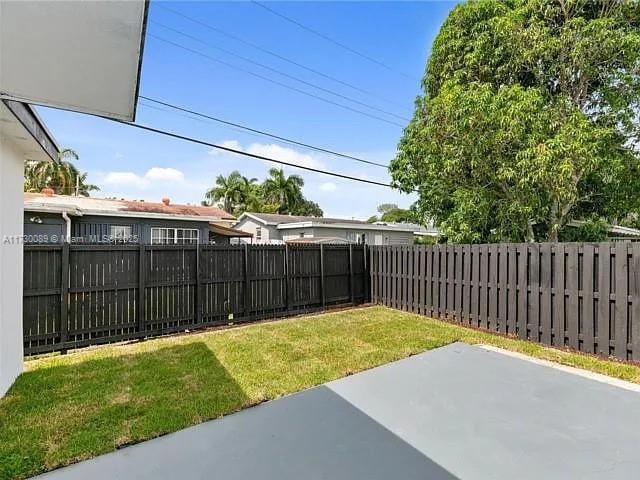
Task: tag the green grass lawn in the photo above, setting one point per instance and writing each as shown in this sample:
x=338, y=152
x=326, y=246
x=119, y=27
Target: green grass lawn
x=67, y=408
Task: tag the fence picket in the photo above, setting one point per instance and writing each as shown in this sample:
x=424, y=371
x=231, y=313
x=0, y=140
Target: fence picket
x=572, y=321
x=621, y=300
x=588, y=317
x=547, y=294
x=604, y=305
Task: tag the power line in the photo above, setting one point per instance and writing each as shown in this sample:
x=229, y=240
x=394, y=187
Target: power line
x=280, y=72
x=329, y=39
x=246, y=154
x=276, y=82
x=273, y=54
x=261, y=132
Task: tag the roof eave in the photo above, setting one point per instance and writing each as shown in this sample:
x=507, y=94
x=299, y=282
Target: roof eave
x=33, y=124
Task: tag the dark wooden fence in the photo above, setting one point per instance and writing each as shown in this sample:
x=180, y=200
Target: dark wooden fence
x=79, y=295
x=583, y=296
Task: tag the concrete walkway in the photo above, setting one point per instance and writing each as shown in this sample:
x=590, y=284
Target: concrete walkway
x=455, y=412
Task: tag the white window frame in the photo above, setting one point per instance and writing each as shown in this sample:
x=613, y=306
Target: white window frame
x=120, y=233
x=258, y=233
x=171, y=237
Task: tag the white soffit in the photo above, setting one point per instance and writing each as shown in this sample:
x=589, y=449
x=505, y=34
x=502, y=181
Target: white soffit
x=20, y=125
x=80, y=56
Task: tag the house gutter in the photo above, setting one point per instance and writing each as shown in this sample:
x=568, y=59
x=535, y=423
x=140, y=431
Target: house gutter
x=67, y=220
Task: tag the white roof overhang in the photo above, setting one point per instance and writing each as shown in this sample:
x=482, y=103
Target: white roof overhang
x=20, y=125
x=348, y=226
x=80, y=56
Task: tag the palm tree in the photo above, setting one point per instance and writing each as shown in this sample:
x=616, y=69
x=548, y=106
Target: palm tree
x=286, y=191
x=227, y=190
x=250, y=196
x=60, y=175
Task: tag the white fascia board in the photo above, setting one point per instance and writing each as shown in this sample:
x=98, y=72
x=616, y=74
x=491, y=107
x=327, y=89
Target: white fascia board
x=349, y=226
x=41, y=208
x=158, y=216
x=253, y=217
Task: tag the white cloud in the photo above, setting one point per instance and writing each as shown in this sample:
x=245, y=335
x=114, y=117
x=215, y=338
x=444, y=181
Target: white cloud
x=164, y=175
x=154, y=175
x=285, y=154
x=228, y=144
x=127, y=179
x=328, y=187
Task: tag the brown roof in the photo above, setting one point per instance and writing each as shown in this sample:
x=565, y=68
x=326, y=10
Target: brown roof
x=176, y=209
x=228, y=231
x=89, y=204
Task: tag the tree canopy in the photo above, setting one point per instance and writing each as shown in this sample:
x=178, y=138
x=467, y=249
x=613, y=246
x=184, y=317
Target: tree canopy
x=61, y=175
x=278, y=193
x=390, y=212
x=529, y=119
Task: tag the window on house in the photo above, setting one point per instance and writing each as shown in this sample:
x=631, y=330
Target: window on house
x=301, y=234
x=174, y=236
x=120, y=233
x=258, y=233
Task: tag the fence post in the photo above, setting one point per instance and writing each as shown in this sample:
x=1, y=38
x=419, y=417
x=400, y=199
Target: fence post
x=141, y=268
x=198, y=293
x=351, y=292
x=287, y=278
x=322, y=289
x=245, y=273
x=64, y=292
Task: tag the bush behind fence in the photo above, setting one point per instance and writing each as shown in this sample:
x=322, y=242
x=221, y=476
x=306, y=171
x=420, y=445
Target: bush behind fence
x=79, y=295
x=583, y=296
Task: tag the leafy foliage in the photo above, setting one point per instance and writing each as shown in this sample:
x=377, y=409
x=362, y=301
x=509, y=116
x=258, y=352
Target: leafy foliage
x=62, y=176
x=529, y=119
x=593, y=230
x=390, y=212
x=279, y=193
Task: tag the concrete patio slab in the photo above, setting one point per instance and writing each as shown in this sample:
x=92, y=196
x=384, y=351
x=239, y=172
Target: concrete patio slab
x=455, y=412
x=481, y=414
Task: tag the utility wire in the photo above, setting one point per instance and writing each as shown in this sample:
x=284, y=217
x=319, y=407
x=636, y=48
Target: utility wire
x=260, y=132
x=329, y=39
x=273, y=54
x=246, y=154
x=280, y=72
x=276, y=82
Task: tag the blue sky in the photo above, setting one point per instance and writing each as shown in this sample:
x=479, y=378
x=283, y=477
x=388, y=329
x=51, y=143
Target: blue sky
x=126, y=162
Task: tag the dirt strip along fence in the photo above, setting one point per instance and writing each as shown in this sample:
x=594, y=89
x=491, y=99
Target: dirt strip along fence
x=582, y=296
x=80, y=295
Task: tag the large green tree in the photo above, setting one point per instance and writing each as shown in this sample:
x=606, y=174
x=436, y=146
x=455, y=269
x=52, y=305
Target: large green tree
x=227, y=191
x=279, y=193
x=285, y=190
x=529, y=119
x=61, y=175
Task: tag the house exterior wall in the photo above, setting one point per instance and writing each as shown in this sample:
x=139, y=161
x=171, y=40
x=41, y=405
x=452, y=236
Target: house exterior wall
x=97, y=228
x=52, y=226
x=11, y=181
x=295, y=233
x=372, y=237
x=215, y=239
x=269, y=233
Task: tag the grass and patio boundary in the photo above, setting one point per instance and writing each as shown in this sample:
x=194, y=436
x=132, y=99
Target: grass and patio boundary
x=64, y=409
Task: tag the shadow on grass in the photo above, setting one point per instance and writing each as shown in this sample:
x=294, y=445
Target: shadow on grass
x=66, y=413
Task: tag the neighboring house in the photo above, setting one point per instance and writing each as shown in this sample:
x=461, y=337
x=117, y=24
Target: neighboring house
x=615, y=232
x=274, y=228
x=50, y=218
